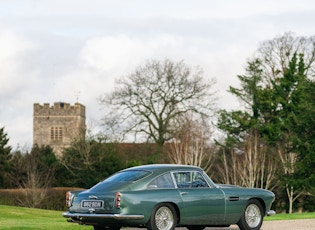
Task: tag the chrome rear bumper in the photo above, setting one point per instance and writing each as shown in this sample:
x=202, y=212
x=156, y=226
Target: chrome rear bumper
x=86, y=216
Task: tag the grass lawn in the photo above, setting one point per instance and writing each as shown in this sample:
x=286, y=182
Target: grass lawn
x=18, y=218
x=284, y=216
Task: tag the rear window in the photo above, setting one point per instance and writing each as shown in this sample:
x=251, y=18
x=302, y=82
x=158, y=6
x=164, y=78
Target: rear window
x=128, y=176
x=118, y=179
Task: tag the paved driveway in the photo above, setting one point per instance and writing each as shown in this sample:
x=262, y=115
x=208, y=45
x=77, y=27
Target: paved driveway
x=307, y=224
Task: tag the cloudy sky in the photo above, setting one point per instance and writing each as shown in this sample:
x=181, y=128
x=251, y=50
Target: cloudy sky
x=73, y=50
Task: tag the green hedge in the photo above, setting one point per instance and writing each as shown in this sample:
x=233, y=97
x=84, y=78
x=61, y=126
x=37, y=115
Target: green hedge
x=52, y=198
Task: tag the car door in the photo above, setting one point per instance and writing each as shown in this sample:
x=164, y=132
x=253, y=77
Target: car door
x=202, y=204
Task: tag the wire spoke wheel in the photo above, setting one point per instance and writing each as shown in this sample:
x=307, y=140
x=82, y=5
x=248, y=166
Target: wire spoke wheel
x=253, y=215
x=163, y=217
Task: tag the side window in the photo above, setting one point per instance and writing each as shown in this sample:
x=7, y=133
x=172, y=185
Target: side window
x=163, y=181
x=198, y=181
x=182, y=179
x=190, y=180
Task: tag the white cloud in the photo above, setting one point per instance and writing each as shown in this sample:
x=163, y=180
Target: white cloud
x=18, y=77
x=111, y=54
x=104, y=59
x=14, y=57
x=57, y=51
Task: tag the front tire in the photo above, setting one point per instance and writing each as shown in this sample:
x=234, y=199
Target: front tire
x=252, y=217
x=163, y=217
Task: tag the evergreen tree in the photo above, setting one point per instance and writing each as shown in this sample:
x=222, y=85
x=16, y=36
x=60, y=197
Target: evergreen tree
x=36, y=169
x=279, y=107
x=88, y=161
x=251, y=161
x=5, y=157
x=287, y=112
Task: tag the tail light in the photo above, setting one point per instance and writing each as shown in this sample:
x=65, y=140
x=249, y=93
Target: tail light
x=118, y=198
x=69, y=197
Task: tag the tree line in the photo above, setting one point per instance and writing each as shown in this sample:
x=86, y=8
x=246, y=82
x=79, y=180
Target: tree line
x=168, y=108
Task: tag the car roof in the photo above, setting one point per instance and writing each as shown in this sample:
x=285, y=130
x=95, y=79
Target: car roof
x=164, y=167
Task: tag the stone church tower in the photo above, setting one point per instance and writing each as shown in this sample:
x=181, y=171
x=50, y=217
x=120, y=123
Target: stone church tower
x=58, y=125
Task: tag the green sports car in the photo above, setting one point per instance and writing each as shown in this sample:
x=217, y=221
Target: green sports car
x=162, y=197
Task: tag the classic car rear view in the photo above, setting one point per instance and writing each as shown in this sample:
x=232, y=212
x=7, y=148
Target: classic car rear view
x=165, y=196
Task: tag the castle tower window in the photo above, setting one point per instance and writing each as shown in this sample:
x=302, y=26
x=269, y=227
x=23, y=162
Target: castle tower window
x=56, y=133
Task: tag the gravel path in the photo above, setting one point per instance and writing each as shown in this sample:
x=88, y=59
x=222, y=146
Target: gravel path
x=307, y=224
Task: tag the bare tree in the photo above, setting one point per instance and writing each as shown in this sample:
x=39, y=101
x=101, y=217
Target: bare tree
x=35, y=186
x=192, y=145
x=257, y=167
x=276, y=54
x=150, y=100
x=32, y=175
x=288, y=161
x=249, y=165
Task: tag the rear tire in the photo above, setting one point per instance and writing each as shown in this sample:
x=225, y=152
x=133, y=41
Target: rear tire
x=163, y=217
x=252, y=217
x=99, y=227
x=196, y=227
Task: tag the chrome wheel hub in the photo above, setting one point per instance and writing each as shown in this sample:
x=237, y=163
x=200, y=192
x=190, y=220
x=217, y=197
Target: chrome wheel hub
x=164, y=218
x=253, y=215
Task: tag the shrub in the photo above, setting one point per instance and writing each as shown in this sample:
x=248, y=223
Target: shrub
x=54, y=197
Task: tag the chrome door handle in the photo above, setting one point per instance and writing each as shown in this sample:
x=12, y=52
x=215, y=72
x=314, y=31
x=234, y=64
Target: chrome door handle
x=234, y=198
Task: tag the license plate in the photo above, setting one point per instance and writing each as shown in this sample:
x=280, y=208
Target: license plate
x=92, y=204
